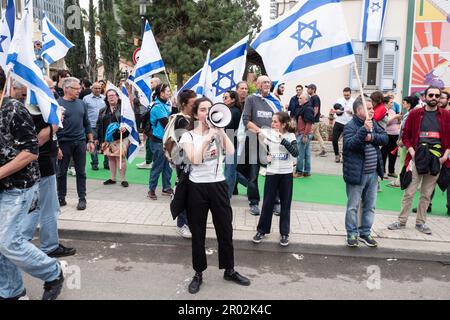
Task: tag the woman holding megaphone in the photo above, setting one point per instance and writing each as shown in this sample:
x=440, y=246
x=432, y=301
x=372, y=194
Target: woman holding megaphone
x=204, y=148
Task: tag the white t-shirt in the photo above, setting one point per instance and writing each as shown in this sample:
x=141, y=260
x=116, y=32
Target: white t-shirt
x=348, y=106
x=281, y=158
x=211, y=170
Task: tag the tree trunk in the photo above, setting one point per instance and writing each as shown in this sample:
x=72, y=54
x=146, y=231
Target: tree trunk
x=92, y=54
x=179, y=80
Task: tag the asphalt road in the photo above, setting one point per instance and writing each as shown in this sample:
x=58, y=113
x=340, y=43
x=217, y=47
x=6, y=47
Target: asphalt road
x=103, y=270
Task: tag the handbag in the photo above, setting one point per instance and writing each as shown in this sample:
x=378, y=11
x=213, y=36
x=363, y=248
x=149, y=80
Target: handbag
x=179, y=198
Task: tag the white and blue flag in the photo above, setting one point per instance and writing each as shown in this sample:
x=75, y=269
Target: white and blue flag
x=309, y=39
x=150, y=61
x=204, y=87
x=7, y=31
x=372, y=20
x=21, y=63
x=226, y=71
x=128, y=120
x=54, y=44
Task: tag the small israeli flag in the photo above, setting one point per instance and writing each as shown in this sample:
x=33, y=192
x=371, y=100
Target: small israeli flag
x=128, y=120
x=54, y=44
x=372, y=20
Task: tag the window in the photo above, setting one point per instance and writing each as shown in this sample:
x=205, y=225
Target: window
x=377, y=65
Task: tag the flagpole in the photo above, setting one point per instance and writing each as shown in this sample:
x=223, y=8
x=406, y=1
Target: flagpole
x=120, y=150
x=358, y=78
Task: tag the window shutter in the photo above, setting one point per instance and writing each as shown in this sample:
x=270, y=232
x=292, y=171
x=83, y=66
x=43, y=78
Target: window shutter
x=359, y=51
x=389, y=64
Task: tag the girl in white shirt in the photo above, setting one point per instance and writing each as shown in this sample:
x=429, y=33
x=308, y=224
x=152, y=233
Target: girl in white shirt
x=204, y=148
x=282, y=148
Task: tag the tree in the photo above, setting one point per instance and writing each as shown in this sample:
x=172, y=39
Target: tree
x=92, y=66
x=109, y=39
x=76, y=57
x=186, y=29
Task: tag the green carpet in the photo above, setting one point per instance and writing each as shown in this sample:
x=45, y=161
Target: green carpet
x=319, y=188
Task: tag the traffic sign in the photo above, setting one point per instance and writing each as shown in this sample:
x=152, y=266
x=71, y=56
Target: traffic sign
x=136, y=55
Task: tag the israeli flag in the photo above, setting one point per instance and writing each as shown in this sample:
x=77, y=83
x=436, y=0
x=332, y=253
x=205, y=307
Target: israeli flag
x=20, y=62
x=150, y=61
x=204, y=88
x=226, y=71
x=7, y=31
x=143, y=88
x=309, y=39
x=128, y=120
x=54, y=44
x=373, y=17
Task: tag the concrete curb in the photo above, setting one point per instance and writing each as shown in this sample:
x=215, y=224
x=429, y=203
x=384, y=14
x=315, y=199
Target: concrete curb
x=299, y=243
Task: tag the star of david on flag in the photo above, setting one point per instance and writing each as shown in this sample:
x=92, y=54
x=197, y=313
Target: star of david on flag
x=7, y=31
x=304, y=27
x=309, y=39
x=222, y=81
x=372, y=20
x=227, y=70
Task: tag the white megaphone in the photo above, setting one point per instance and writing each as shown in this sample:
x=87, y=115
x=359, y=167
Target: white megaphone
x=219, y=115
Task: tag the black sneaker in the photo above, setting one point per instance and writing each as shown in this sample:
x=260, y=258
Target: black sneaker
x=62, y=251
x=124, y=184
x=258, y=237
x=95, y=168
x=352, y=241
x=284, y=241
x=22, y=296
x=81, y=204
x=231, y=275
x=109, y=182
x=368, y=241
x=53, y=288
x=194, y=286
x=62, y=202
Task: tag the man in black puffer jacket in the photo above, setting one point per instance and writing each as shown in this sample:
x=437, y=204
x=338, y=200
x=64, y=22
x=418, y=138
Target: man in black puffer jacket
x=363, y=165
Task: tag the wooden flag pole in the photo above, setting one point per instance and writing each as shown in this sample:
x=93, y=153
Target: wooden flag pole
x=120, y=149
x=358, y=78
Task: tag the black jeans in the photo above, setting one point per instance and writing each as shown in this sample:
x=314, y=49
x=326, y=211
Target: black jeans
x=337, y=132
x=202, y=198
x=386, y=152
x=252, y=188
x=281, y=184
x=77, y=151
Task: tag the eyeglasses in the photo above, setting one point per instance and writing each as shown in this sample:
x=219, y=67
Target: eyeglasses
x=75, y=88
x=432, y=95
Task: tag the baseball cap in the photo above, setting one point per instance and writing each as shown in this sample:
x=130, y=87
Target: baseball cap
x=312, y=86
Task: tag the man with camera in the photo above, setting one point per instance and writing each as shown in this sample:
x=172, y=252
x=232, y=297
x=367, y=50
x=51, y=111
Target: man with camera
x=343, y=109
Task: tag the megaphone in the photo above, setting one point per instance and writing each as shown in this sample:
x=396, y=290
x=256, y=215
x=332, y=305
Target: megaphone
x=219, y=115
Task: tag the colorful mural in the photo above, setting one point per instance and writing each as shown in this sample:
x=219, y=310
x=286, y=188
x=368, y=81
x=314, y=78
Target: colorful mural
x=431, y=53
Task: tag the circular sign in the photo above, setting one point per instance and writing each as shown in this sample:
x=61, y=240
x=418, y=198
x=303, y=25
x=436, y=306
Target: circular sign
x=136, y=55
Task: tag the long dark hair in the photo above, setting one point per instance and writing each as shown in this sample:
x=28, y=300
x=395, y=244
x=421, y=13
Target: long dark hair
x=185, y=96
x=287, y=121
x=195, y=109
x=234, y=95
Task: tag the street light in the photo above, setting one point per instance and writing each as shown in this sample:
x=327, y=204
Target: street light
x=142, y=13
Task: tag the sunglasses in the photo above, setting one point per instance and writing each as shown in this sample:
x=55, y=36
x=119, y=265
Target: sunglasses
x=432, y=95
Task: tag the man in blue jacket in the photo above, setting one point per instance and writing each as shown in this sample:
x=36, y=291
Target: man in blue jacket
x=363, y=165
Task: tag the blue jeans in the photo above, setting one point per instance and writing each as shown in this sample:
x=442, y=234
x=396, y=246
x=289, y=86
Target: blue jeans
x=304, y=154
x=182, y=219
x=160, y=165
x=16, y=252
x=46, y=215
x=367, y=193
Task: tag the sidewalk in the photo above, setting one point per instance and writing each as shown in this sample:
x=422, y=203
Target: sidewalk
x=126, y=215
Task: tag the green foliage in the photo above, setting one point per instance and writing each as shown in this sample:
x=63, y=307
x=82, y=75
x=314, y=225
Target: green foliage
x=185, y=29
x=109, y=39
x=76, y=57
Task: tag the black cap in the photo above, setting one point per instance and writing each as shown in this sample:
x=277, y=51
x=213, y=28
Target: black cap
x=312, y=86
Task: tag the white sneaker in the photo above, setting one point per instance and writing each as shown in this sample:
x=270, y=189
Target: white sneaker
x=144, y=165
x=72, y=171
x=184, y=232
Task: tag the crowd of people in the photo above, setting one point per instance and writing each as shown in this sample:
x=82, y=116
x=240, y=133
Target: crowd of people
x=35, y=159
